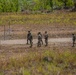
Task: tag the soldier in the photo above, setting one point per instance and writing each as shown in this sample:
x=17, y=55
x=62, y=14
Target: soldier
x=46, y=38
x=73, y=38
x=29, y=38
x=39, y=39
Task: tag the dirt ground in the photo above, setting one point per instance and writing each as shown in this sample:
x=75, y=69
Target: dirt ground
x=20, y=32
x=15, y=50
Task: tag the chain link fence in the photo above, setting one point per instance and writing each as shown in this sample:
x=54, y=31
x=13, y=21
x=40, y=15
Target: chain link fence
x=10, y=32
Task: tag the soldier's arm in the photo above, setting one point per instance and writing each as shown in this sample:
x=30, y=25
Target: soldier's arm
x=27, y=35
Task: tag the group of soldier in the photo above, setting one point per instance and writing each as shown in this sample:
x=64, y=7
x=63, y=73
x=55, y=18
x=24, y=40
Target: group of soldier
x=40, y=41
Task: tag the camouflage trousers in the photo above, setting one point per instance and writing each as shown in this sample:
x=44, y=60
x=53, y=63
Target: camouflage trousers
x=46, y=42
x=30, y=41
x=73, y=43
x=39, y=43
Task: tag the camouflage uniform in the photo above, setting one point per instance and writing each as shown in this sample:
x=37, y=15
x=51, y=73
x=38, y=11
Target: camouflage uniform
x=46, y=38
x=28, y=35
x=73, y=38
x=29, y=38
x=39, y=39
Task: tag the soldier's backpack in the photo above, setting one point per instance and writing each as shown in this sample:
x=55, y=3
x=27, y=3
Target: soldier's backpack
x=39, y=36
x=46, y=36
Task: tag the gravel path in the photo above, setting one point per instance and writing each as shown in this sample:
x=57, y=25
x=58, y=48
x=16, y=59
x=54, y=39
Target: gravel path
x=23, y=41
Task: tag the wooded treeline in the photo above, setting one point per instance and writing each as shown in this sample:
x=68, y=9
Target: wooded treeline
x=35, y=5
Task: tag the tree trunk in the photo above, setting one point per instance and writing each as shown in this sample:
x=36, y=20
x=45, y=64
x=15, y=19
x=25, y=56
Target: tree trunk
x=51, y=4
x=65, y=3
x=75, y=5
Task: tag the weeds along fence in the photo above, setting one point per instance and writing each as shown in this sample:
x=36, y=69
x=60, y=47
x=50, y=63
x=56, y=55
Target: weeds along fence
x=9, y=32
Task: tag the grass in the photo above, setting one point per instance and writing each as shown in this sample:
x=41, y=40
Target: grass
x=45, y=62
x=58, y=24
x=59, y=18
x=41, y=61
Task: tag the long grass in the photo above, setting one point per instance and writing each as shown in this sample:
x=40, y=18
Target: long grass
x=58, y=18
x=40, y=63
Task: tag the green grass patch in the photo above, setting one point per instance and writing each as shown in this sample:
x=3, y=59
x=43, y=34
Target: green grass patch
x=52, y=18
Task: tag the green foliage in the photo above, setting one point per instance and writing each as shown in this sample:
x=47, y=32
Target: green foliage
x=8, y=5
x=70, y=3
x=57, y=4
x=26, y=72
x=19, y=5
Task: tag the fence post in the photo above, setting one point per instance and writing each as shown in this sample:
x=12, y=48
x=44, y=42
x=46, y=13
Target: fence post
x=4, y=32
x=9, y=30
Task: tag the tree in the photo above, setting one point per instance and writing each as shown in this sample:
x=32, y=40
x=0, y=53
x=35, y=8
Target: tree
x=65, y=3
x=75, y=4
x=51, y=3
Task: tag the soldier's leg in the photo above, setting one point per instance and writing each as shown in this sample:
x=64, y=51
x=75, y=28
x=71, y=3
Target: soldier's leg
x=39, y=43
x=27, y=41
x=42, y=41
x=73, y=43
x=31, y=43
x=46, y=42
